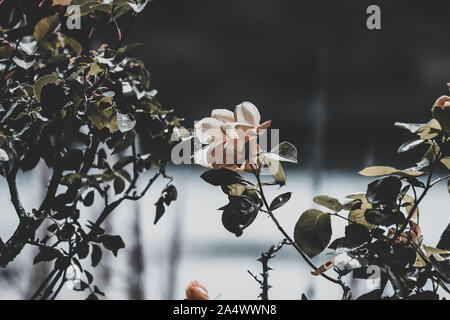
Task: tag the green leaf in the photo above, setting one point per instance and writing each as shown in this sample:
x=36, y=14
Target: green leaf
x=96, y=255
x=313, y=232
x=433, y=251
x=409, y=145
x=119, y=185
x=122, y=162
x=126, y=141
x=73, y=44
x=384, y=217
x=121, y=10
x=89, y=199
x=285, y=151
x=446, y=162
x=329, y=202
x=99, y=112
x=277, y=171
x=41, y=82
x=372, y=295
x=280, y=200
x=125, y=122
x=221, y=177
x=45, y=27
x=384, y=191
x=377, y=171
x=46, y=254
x=356, y=214
x=444, y=240
x=235, y=189
x=88, y=7
x=443, y=117
x=160, y=210
x=112, y=243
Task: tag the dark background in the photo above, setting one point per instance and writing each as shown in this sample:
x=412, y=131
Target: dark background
x=332, y=86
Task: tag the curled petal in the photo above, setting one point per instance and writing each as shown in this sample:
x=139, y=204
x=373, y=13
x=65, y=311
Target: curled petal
x=201, y=157
x=246, y=133
x=262, y=127
x=442, y=102
x=3, y=155
x=246, y=112
x=223, y=115
x=230, y=131
x=208, y=130
x=196, y=291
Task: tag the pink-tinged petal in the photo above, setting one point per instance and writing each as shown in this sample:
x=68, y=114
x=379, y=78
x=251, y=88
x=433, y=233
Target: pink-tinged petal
x=234, y=168
x=208, y=130
x=262, y=128
x=246, y=133
x=442, y=102
x=223, y=115
x=246, y=112
x=201, y=157
x=230, y=132
x=222, y=154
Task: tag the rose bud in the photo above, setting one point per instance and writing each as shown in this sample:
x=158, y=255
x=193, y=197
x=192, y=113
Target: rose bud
x=196, y=291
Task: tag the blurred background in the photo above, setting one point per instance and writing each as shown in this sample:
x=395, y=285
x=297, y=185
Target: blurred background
x=332, y=87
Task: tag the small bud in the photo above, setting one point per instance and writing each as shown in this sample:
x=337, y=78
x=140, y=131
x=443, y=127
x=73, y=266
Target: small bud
x=196, y=291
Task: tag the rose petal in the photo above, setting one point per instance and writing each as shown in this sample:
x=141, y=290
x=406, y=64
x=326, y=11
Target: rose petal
x=247, y=112
x=208, y=130
x=230, y=132
x=442, y=102
x=223, y=115
x=262, y=128
x=196, y=291
x=3, y=155
x=201, y=157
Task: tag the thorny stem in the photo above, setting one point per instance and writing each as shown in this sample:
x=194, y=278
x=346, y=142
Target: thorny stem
x=264, y=259
x=345, y=288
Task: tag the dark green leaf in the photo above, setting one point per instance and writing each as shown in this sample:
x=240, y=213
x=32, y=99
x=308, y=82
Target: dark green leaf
x=221, y=177
x=280, y=201
x=96, y=255
x=83, y=251
x=125, y=142
x=89, y=199
x=46, y=254
x=119, y=185
x=328, y=202
x=384, y=191
x=313, y=232
x=444, y=241
x=160, y=210
x=89, y=277
x=112, y=243
x=39, y=84
x=384, y=217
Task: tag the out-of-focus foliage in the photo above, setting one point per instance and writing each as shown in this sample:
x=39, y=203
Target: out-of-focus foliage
x=383, y=233
x=86, y=114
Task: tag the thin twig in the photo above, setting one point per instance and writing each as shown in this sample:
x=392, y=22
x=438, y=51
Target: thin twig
x=346, y=289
